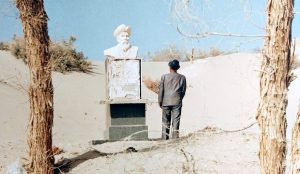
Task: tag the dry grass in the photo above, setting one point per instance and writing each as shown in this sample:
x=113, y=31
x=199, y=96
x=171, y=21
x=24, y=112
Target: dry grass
x=153, y=85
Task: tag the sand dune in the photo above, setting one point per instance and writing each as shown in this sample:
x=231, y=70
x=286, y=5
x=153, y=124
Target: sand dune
x=222, y=92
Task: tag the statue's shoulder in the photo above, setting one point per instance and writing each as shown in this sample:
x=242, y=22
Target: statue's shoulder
x=117, y=52
x=110, y=51
x=135, y=48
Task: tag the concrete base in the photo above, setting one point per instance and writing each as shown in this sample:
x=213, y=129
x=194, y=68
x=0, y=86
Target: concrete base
x=136, y=132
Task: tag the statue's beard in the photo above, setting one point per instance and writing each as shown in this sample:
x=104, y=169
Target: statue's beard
x=125, y=46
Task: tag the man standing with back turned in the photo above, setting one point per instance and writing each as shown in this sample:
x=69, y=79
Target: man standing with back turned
x=171, y=92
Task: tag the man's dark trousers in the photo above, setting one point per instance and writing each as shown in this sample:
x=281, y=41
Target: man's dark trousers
x=171, y=113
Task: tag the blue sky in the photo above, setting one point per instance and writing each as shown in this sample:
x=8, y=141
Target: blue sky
x=153, y=23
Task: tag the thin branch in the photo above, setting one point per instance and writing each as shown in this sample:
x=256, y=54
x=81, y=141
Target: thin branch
x=189, y=161
x=207, y=34
x=249, y=16
x=242, y=129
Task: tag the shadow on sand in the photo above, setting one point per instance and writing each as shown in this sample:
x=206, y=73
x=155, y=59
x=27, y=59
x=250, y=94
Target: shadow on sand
x=68, y=164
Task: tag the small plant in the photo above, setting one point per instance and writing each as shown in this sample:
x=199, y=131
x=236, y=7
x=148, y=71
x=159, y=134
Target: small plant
x=153, y=85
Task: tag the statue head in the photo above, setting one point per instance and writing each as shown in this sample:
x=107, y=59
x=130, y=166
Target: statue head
x=123, y=49
x=122, y=34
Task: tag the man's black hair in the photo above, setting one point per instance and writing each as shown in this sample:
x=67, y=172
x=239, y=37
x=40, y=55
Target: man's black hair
x=174, y=64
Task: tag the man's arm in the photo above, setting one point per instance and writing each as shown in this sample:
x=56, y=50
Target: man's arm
x=183, y=86
x=161, y=91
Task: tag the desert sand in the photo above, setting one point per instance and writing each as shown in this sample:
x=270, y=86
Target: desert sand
x=221, y=100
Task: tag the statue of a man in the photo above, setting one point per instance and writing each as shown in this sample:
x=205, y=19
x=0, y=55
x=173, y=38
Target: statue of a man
x=123, y=49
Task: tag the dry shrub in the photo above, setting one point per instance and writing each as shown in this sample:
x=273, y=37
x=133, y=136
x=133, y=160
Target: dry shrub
x=63, y=56
x=257, y=50
x=17, y=48
x=295, y=62
x=172, y=52
x=4, y=46
x=212, y=52
x=215, y=52
x=153, y=85
x=167, y=54
x=56, y=150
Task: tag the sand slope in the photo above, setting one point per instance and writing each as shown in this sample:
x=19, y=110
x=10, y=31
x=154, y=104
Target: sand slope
x=222, y=92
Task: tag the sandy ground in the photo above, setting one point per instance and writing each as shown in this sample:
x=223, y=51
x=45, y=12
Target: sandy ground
x=222, y=95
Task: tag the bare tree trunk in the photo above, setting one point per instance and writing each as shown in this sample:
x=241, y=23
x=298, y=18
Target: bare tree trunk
x=274, y=82
x=34, y=20
x=296, y=146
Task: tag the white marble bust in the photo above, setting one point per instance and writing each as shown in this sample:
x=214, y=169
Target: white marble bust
x=123, y=49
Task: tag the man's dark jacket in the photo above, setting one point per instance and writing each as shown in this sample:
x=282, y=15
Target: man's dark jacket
x=172, y=89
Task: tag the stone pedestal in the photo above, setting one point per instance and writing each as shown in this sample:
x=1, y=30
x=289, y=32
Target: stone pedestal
x=127, y=120
x=125, y=110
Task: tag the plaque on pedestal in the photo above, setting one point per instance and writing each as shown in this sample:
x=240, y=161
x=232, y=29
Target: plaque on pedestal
x=123, y=79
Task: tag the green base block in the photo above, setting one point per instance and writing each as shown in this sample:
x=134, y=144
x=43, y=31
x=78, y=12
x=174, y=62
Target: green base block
x=128, y=114
x=136, y=132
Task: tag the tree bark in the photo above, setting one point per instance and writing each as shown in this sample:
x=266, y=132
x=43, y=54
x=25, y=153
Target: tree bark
x=296, y=146
x=34, y=21
x=274, y=82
